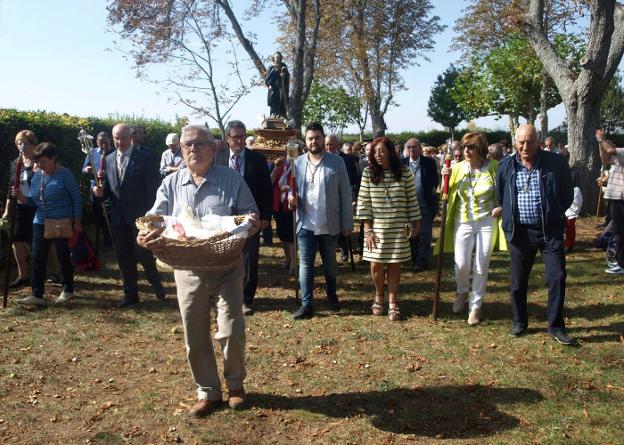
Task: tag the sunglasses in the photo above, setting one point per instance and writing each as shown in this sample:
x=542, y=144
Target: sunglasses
x=470, y=146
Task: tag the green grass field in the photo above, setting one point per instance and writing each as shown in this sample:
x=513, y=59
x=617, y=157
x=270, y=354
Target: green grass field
x=89, y=373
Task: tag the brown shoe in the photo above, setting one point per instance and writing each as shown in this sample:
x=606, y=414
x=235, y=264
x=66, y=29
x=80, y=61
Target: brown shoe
x=204, y=407
x=237, y=399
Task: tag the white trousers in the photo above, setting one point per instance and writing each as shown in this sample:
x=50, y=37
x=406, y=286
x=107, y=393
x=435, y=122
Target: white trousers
x=478, y=237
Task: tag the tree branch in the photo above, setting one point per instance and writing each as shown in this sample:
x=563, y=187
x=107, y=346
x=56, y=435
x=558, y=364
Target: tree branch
x=246, y=43
x=557, y=69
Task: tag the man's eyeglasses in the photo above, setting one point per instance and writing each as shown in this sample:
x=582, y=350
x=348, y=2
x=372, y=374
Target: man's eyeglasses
x=470, y=146
x=242, y=136
x=411, y=146
x=199, y=144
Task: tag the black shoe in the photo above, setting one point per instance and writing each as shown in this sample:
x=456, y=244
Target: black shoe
x=563, y=338
x=303, y=312
x=53, y=279
x=517, y=331
x=334, y=304
x=161, y=294
x=420, y=268
x=247, y=310
x=127, y=302
x=344, y=258
x=19, y=282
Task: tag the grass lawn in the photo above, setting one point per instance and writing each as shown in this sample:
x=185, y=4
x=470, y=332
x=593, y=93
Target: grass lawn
x=89, y=373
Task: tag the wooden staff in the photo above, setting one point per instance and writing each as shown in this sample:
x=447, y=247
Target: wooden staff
x=282, y=74
x=599, y=195
x=12, y=201
x=292, y=151
x=445, y=191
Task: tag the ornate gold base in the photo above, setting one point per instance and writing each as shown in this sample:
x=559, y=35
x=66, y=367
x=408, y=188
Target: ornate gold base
x=272, y=142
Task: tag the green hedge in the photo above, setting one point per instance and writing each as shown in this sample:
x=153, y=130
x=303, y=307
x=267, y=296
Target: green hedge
x=431, y=137
x=63, y=130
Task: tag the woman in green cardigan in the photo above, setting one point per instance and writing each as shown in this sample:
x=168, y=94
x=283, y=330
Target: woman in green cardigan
x=472, y=222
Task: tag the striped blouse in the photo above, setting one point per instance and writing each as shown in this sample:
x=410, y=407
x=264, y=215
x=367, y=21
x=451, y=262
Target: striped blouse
x=390, y=205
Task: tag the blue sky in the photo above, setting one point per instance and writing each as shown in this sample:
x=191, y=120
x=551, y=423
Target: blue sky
x=60, y=56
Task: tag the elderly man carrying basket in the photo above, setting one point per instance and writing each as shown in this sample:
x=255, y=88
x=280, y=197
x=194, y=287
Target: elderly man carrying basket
x=208, y=190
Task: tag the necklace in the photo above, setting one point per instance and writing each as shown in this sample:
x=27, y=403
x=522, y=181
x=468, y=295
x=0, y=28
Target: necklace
x=528, y=181
x=387, y=190
x=313, y=170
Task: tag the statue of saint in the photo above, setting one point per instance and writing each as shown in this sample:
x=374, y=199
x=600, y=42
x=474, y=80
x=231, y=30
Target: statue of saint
x=277, y=81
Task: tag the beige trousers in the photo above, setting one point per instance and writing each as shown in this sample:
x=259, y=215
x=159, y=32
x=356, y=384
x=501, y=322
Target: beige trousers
x=198, y=291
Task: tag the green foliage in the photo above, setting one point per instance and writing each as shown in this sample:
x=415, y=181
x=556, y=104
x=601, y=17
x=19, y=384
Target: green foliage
x=432, y=137
x=443, y=108
x=612, y=107
x=62, y=129
x=331, y=106
x=507, y=80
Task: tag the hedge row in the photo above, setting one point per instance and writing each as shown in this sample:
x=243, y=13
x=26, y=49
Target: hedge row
x=63, y=130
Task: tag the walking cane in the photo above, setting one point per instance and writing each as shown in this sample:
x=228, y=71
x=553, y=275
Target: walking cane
x=12, y=201
x=599, y=196
x=445, y=191
x=292, y=151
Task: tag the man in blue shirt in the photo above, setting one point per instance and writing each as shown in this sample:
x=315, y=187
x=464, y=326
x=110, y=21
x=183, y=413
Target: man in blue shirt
x=91, y=167
x=534, y=188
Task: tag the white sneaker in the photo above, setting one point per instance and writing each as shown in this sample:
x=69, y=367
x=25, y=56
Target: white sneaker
x=616, y=270
x=460, y=302
x=64, y=297
x=474, y=317
x=31, y=299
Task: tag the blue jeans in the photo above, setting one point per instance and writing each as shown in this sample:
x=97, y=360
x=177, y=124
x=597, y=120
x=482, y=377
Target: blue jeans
x=40, y=248
x=326, y=245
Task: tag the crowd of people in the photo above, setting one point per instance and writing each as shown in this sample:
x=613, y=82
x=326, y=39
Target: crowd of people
x=521, y=200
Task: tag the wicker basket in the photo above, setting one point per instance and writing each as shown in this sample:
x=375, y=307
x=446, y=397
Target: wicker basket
x=219, y=252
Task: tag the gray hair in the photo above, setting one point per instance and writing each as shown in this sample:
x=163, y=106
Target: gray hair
x=198, y=129
x=234, y=124
x=334, y=138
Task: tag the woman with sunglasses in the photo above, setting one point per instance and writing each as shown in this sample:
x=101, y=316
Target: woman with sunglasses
x=471, y=222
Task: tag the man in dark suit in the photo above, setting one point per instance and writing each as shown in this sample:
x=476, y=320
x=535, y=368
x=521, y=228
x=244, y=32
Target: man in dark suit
x=138, y=138
x=426, y=178
x=332, y=144
x=252, y=165
x=130, y=184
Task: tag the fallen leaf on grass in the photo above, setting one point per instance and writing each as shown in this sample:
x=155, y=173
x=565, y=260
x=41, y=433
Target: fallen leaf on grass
x=413, y=367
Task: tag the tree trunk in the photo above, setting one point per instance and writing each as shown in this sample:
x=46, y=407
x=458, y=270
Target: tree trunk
x=513, y=126
x=583, y=120
x=544, y=105
x=377, y=118
x=295, y=102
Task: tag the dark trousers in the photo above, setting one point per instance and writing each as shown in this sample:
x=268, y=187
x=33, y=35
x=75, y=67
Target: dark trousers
x=128, y=252
x=617, y=218
x=267, y=234
x=251, y=254
x=40, y=248
x=523, y=248
x=100, y=224
x=343, y=245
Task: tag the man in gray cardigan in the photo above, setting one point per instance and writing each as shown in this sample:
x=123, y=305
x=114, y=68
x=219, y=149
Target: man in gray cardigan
x=323, y=203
